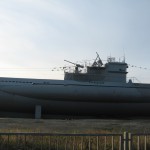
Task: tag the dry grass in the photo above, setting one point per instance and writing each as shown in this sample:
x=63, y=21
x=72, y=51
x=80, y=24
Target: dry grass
x=22, y=142
x=74, y=126
x=56, y=142
x=94, y=126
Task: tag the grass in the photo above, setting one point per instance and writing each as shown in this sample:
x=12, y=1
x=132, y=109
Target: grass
x=87, y=126
x=21, y=142
x=56, y=142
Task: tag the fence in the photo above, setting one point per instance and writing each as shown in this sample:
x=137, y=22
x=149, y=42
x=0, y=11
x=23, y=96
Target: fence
x=47, y=141
x=139, y=141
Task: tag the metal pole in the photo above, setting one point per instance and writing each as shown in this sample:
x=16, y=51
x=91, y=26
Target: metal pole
x=97, y=143
x=105, y=146
x=66, y=143
x=82, y=143
x=120, y=143
x=112, y=143
x=74, y=143
x=57, y=142
x=25, y=142
x=89, y=143
x=145, y=143
x=42, y=142
x=138, y=143
x=126, y=146
x=130, y=141
x=49, y=142
x=8, y=143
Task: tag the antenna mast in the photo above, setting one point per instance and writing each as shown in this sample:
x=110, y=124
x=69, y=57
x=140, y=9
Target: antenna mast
x=98, y=62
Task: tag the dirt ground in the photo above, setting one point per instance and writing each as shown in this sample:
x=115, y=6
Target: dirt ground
x=75, y=126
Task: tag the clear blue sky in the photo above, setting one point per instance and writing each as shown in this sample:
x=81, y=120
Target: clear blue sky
x=42, y=33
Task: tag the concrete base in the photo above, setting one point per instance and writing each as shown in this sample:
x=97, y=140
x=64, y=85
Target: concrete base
x=38, y=112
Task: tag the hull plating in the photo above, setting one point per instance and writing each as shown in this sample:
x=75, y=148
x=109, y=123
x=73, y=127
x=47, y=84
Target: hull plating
x=72, y=98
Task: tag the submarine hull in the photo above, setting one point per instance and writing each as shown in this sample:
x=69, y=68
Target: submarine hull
x=52, y=107
x=58, y=97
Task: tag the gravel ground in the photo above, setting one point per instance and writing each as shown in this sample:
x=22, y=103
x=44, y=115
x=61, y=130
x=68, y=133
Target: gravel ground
x=75, y=126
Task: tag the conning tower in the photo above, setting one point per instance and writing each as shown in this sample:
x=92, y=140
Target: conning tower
x=112, y=71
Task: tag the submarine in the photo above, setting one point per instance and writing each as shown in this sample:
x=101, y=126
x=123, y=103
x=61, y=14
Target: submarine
x=92, y=90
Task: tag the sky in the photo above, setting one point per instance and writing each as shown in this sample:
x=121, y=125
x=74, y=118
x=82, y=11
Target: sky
x=37, y=35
